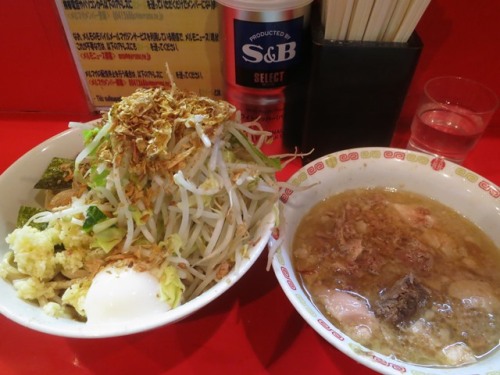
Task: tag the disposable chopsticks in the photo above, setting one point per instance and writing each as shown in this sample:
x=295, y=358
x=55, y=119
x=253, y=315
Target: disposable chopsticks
x=379, y=18
x=345, y=20
x=359, y=19
x=334, y=16
x=371, y=20
x=396, y=19
x=410, y=21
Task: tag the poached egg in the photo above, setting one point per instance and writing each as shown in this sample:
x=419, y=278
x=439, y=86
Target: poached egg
x=121, y=295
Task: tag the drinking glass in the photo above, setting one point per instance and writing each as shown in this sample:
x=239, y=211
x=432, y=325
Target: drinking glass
x=451, y=117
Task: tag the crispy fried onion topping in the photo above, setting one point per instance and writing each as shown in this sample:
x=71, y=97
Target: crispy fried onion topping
x=162, y=129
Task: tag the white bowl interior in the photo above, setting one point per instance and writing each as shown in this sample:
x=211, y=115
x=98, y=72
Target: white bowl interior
x=468, y=193
x=16, y=188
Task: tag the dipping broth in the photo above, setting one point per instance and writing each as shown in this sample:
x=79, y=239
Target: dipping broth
x=403, y=275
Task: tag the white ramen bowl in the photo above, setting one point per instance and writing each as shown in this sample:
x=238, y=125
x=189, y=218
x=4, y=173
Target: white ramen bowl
x=16, y=188
x=455, y=186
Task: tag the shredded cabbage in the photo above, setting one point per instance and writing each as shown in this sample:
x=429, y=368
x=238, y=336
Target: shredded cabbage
x=171, y=287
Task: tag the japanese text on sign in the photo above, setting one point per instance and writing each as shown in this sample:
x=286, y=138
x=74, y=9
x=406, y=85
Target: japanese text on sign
x=127, y=44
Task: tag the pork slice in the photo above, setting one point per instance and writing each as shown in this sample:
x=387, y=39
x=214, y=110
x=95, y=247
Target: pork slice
x=352, y=312
x=401, y=301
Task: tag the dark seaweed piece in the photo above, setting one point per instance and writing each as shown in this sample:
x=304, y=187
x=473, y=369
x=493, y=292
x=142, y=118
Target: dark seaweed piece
x=25, y=213
x=94, y=216
x=58, y=175
x=59, y=247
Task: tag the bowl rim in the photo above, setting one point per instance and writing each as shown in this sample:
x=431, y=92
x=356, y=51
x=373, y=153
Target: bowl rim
x=291, y=285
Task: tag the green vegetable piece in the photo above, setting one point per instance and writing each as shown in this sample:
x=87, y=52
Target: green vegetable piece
x=171, y=287
x=94, y=216
x=89, y=135
x=25, y=213
x=109, y=238
x=98, y=179
x=269, y=162
x=58, y=175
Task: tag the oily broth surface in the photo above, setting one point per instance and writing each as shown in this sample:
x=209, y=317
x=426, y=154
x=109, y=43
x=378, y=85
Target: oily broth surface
x=359, y=243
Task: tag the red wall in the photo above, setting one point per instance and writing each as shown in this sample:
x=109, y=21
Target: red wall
x=38, y=73
x=461, y=37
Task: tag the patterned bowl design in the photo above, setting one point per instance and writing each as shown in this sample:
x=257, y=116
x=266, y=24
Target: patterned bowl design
x=453, y=185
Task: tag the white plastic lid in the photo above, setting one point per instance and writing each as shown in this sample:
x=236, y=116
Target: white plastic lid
x=264, y=5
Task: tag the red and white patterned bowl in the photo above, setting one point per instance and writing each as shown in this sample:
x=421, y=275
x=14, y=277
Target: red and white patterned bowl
x=453, y=185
